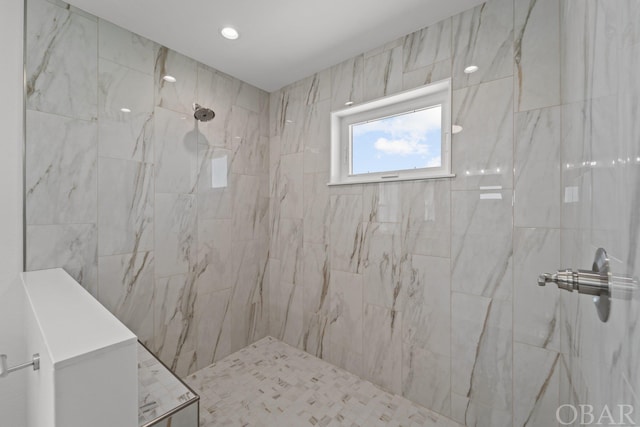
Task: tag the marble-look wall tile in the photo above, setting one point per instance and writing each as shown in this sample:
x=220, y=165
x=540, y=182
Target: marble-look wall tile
x=482, y=154
x=536, y=386
x=176, y=151
x=346, y=232
x=481, y=246
x=537, y=166
x=568, y=392
x=126, y=48
x=273, y=271
x=316, y=280
x=383, y=266
x=215, y=255
x=291, y=118
x=609, y=185
x=316, y=88
x=317, y=147
x=286, y=244
x=174, y=330
x=427, y=307
x=628, y=15
x=483, y=36
x=286, y=312
x=347, y=82
x=383, y=74
x=425, y=75
x=73, y=247
x=125, y=135
x=470, y=413
x=145, y=178
x=537, y=54
x=383, y=359
x=537, y=318
x=343, y=358
x=290, y=186
x=62, y=61
x=589, y=54
x=382, y=202
x=313, y=333
x=427, y=46
x=250, y=151
x=346, y=317
x=425, y=211
x=250, y=208
x=250, y=97
x=126, y=197
x=317, y=206
x=61, y=169
x=482, y=351
x=175, y=234
x=584, y=126
x=213, y=327
x=73, y=9
x=126, y=289
x=384, y=48
x=278, y=105
x=250, y=204
x=426, y=378
x=180, y=95
x=249, y=301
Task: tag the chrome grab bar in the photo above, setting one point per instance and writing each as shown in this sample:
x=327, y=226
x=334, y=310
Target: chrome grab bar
x=5, y=370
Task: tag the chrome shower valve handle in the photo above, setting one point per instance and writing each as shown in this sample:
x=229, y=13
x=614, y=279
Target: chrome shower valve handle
x=583, y=281
x=598, y=282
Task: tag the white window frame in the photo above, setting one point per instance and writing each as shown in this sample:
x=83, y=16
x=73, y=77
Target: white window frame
x=438, y=93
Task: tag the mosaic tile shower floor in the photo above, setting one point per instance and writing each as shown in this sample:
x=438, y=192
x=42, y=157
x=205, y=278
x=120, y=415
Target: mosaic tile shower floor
x=270, y=383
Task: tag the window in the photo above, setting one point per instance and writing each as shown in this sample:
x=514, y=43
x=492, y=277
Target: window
x=399, y=137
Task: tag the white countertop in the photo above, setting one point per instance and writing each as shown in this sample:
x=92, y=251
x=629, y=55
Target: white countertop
x=73, y=323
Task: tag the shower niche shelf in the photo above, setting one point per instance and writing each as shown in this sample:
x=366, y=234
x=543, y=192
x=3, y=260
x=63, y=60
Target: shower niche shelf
x=164, y=400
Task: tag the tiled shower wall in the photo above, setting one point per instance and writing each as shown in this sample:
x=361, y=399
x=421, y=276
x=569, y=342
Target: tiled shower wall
x=601, y=177
x=423, y=287
x=427, y=288
x=124, y=201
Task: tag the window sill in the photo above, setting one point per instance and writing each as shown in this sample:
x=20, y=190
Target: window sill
x=394, y=179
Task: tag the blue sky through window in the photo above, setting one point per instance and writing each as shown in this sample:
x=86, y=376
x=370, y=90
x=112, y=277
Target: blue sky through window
x=406, y=141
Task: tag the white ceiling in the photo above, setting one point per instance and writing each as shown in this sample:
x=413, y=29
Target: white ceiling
x=281, y=41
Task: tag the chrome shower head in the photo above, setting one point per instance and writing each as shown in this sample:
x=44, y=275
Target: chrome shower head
x=202, y=114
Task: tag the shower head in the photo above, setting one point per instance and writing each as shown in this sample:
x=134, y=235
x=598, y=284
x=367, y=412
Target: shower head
x=202, y=114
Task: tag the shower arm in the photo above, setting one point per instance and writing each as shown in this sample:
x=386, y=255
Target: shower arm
x=5, y=371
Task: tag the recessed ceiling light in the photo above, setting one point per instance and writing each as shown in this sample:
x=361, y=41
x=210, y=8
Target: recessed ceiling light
x=456, y=129
x=229, y=33
x=169, y=79
x=125, y=110
x=348, y=103
x=471, y=69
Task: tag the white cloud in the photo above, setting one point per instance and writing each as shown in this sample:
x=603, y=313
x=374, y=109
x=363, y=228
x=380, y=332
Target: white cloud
x=434, y=162
x=411, y=126
x=400, y=146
